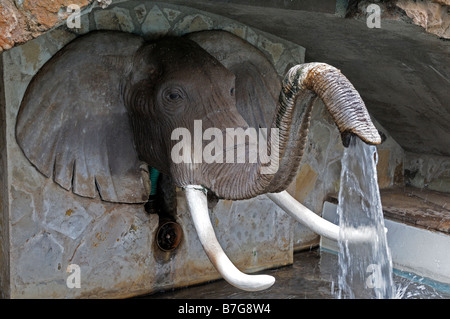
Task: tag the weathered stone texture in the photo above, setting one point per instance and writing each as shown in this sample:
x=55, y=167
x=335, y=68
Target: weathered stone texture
x=115, y=19
x=155, y=23
x=4, y=198
x=417, y=207
x=433, y=16
x=428, y=171
x=21, y=21
x=442, y=2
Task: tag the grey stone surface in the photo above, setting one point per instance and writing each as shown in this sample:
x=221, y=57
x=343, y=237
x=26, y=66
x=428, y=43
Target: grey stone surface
x=114, y=19
x=192, y=23
x=156, y=23
x=4, y=198
x=428, y=171
x=140, y=12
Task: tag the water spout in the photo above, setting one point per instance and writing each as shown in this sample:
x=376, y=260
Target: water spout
x=365, y=267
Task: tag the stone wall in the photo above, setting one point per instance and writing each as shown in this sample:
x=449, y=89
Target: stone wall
x=427, y=171
x=21, y=21
x=4, y=200
x=432, y=15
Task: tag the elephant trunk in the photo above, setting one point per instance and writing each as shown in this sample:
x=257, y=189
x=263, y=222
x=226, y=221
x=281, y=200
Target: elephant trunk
x=342, y=101
x=339, y=96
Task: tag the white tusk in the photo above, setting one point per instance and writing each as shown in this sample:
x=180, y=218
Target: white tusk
x=316, y=223
x=198, y=207
x=305, y=216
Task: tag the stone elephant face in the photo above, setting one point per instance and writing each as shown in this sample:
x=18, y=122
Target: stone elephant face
x=178, y=93
x=108, y=102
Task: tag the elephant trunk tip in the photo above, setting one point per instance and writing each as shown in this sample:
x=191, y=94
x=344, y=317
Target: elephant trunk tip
x=346, y=137
x=339, y=96
x=372, y=137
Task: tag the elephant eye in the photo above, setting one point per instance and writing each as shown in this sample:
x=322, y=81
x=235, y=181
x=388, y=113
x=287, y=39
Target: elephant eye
x=232, y=92
x=174, y=96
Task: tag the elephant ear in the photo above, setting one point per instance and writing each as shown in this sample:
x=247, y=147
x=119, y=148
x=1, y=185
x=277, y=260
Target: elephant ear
x=257, y=82
x=73, y=126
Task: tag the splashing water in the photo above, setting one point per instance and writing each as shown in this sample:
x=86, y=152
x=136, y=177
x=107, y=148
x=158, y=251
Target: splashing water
x=365, y=264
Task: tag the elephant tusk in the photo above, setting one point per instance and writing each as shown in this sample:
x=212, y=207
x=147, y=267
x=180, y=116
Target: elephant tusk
x=316, y=223
x=305, y=216
x=197, y=204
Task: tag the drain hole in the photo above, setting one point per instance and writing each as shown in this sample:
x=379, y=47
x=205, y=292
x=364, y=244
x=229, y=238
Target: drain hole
x=168, y=236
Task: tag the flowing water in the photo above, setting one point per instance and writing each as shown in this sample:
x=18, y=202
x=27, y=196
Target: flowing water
x=365, y=264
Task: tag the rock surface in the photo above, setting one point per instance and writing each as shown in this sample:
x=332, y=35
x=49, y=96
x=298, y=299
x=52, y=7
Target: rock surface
x=433, y=16
x=21, y=21
x=417, y=207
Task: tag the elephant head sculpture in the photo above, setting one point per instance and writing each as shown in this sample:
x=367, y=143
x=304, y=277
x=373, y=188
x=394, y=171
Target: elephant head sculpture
x=108, y=101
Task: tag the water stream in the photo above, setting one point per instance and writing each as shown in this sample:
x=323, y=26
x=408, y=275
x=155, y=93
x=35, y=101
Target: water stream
x=365, y=264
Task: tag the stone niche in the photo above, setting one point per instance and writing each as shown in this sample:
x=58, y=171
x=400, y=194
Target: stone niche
x=45, y=229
